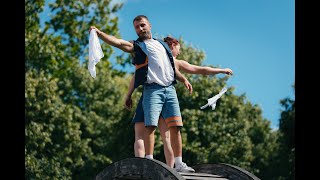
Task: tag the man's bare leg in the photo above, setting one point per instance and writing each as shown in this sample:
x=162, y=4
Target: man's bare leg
x=165, y=136
x=149, y=141
x=139, y=130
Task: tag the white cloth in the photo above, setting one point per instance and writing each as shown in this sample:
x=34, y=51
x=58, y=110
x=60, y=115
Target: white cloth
x=95, y=52
x=160, y=70
x=213, y=101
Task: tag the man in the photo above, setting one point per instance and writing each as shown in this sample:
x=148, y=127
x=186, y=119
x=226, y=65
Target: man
x=155, y=70
x=138, y=119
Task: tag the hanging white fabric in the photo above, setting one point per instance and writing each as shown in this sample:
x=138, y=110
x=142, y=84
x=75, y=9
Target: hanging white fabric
x=95, y=52
x=213, y=101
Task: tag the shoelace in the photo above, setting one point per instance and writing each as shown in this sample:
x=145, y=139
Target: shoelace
x=184, y=165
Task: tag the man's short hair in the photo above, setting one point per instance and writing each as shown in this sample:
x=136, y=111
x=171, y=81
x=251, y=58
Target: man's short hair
x=138, y=18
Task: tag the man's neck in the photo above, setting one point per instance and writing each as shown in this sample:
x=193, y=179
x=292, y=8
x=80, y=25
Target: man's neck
x=145, y=38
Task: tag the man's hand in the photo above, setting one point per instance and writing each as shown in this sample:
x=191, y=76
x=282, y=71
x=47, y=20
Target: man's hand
x=228, y=71
x=188, y=85
x=97, y=30
x=128, y=103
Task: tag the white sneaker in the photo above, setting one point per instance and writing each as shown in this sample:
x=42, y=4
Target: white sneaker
x=182, y=167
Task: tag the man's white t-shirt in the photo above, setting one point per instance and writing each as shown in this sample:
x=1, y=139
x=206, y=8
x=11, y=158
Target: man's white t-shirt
x=160, y=70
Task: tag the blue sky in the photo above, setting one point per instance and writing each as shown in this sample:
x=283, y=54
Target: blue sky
x=255, y=38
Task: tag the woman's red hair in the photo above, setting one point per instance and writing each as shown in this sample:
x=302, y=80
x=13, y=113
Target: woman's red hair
x=171, y=41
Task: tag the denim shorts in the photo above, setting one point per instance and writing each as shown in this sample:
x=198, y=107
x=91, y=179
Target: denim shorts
x=139, y=114
x=161, y=100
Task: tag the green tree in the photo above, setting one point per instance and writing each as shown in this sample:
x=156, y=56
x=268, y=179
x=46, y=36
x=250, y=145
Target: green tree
x=287, y=126
x=44, y=118
x=71, y=119
x=285, y=159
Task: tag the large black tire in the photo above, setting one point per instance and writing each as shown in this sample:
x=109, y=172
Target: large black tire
x=138, y=168
x=226, y=170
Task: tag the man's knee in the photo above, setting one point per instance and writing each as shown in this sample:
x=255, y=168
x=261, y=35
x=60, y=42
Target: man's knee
x=139, y=131
x=150, y=129
x=139, y=143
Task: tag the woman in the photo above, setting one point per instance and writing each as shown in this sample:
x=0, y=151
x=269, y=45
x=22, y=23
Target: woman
x=138, y=118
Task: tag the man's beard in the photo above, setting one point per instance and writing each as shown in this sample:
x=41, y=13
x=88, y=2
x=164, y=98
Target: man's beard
x=145, y=35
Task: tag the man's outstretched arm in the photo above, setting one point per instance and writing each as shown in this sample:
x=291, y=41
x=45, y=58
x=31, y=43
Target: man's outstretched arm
x=124, y=45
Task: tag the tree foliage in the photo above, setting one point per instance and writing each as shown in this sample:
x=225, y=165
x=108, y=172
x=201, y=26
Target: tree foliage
x=71, y=118
x=285, y=156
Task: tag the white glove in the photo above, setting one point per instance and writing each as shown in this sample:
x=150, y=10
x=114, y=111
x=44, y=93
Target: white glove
x=95, y=52
x=213, y=101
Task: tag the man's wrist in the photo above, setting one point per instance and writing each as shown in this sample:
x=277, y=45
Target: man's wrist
x=99, y=33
